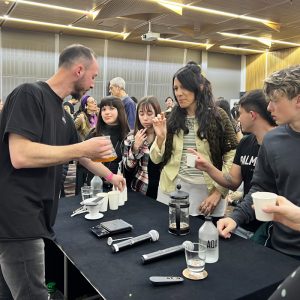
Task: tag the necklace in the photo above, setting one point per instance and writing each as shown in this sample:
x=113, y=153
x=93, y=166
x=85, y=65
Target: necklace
x=189, y=122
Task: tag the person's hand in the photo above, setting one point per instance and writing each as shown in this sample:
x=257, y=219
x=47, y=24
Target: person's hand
x=225, y=226
x=118, y=181
x=285, y=212
x=97, y=148
x=209, y=204
x=139, y=139
x=160, y=126
x=201, y=163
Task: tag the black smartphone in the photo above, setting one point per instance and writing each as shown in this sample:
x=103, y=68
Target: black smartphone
x=111, y=227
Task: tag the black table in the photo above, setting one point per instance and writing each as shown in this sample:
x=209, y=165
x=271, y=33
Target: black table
x=245, y=270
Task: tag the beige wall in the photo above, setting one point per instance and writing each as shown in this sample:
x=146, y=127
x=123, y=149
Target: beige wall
x=261, y=65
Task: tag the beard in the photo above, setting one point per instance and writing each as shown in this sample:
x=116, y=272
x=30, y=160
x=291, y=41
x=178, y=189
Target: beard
x=78, y=91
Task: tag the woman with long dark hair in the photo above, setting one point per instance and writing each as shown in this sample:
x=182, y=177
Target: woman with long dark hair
x=85, y=118
x=112, y=121
x=198, y=124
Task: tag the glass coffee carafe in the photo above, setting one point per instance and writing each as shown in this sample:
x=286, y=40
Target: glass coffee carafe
x=179, y=212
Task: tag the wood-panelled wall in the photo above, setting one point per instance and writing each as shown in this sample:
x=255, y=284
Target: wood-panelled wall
x=261, y=65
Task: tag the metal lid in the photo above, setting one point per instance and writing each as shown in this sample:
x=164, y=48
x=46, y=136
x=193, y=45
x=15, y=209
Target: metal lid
x=179, y=194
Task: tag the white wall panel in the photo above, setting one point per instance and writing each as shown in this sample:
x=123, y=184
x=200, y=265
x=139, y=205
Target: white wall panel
x=224, y=72
x=129, y=62
x=26, y=57
x=164, y=62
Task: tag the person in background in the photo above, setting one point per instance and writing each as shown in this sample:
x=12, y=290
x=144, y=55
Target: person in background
x=37, y=137
x=256, y=120
x=85, y=120
x=277, y=167
x=112, y=121
x=235, y=111
x=86, y=117
x=134, y=100
x=136, y=159
x=117, y=89
x=169, y=102
x=69, y=106
x=224, y=104
x=194, y=123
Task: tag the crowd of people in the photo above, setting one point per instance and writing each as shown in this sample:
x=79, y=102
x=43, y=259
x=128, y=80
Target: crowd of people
x=40, y=133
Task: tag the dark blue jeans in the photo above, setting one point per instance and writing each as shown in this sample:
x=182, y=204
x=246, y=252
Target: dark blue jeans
x=22, y=270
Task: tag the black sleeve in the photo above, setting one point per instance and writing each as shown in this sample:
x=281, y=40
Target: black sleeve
x=237, y=157
x=263, y=180
x=25, y=113
x=289, y=288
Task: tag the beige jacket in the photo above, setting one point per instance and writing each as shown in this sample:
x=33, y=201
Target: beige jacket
x=167, y=181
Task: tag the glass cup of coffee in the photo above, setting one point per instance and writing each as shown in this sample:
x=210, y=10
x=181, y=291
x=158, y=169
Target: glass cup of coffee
x=110, y=157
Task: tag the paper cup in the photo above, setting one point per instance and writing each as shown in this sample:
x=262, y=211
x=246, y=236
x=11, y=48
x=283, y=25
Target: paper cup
x=262, y=200
x=123, y=197
x=191, y=160
x=104, y=202
x=93, y=210
x=113, y=199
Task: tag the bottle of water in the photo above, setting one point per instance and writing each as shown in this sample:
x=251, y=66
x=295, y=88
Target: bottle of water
x=53, y=292
x=208, y=234
x=97, y=185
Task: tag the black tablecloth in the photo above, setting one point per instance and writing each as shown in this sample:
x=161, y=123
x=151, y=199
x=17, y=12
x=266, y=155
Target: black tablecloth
x=244, y=271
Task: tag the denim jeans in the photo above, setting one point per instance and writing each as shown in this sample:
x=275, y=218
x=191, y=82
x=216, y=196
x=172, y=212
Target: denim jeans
x=22, y=270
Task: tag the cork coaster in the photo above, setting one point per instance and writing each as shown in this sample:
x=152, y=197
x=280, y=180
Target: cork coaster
x=187, y=274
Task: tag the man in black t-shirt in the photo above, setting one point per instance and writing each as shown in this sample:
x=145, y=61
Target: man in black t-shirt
x=37, y=137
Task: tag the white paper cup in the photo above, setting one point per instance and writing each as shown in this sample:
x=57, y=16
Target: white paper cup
x=123, y=197
x=191, y=160
x=93, y=210
x=104, y=202
x=113, y=199
x=125, y=194
x=262, y=200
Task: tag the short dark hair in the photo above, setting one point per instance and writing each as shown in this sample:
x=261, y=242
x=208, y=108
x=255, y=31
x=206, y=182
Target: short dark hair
x=169, y=98
x=255, y=100
x=73, y=52
x=224, y=104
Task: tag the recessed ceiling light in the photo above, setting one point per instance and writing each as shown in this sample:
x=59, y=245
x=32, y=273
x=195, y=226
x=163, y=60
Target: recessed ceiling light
x=80, y=11
x=242, y=49
x=262, y=40
x=269, y=23
x=70, y=26
x=205, y=45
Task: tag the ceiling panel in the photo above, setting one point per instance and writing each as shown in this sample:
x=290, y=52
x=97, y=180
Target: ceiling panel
x=133, y=16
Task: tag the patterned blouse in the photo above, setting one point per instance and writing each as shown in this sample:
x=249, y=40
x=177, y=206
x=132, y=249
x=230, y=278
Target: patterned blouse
x=137, y=163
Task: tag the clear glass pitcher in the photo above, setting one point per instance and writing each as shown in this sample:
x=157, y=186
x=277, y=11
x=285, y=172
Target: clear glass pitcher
x=179, y=212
